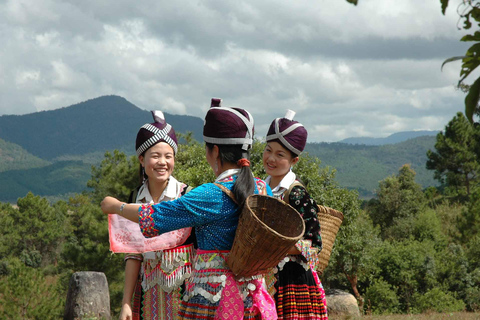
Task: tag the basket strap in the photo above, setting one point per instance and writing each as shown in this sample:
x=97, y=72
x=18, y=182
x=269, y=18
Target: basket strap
x=286, y=195
x=227, y=191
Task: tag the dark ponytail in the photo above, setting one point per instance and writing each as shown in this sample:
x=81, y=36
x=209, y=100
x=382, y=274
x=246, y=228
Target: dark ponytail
x=244, y=186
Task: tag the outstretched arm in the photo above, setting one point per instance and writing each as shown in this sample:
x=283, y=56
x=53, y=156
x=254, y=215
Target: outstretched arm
x=111, y=205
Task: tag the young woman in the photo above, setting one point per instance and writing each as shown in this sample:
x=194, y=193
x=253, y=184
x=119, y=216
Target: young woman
x=297, y=290
x=212, y=291
x=155, y=272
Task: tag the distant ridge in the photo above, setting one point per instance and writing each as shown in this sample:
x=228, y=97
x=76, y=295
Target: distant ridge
x=14, y=157
x=99, y=124
x=361, y=167
x=391, y=139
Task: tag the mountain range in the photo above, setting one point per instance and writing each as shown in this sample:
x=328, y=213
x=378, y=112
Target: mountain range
x=104, y=123
x=391, y=139
x=51, y=152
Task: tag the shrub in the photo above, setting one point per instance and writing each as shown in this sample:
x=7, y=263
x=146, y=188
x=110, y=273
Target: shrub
x=437, y=300
x=381, y=298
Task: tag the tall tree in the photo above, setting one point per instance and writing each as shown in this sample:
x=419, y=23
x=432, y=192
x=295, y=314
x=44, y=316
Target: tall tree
x=456, y=161
x=399, y=199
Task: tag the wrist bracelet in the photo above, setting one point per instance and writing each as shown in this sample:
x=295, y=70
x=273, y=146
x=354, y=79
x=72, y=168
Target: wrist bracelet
x=121, y=207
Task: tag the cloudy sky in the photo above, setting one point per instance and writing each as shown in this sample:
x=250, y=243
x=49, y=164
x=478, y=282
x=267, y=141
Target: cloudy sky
x=348, y=71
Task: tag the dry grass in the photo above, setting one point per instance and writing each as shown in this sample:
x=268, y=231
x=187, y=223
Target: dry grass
x=425, y=316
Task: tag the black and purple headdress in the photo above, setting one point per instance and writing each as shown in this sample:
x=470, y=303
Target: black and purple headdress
x=289, y=133
x=153, y=133
x=227, y=126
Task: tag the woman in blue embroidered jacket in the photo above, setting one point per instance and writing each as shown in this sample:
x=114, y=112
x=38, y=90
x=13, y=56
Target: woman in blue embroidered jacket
x=228, y=134
x=298, y=291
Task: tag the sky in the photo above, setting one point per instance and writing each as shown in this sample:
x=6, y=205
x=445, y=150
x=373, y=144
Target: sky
x=347, y=71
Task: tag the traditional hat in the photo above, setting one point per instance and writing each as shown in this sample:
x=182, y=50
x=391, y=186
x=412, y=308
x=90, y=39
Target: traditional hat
x=291, y=134
x=153, y=133
x=224, y=125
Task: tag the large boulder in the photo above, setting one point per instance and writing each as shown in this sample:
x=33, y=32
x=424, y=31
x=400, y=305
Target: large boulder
x=342, y=305
x=88, y=297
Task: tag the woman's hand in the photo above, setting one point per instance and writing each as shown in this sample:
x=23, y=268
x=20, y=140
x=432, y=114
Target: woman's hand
x=126, y=313
x=110, y=205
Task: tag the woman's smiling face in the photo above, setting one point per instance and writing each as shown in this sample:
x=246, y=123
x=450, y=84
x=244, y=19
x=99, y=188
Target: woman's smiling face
x=277, y=160
x=158, y=161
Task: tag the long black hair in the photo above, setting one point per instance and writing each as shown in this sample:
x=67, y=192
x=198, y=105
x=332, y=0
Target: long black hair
x=245, y=183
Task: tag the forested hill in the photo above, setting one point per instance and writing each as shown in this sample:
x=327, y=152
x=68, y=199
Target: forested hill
x=100, y=124
x=361, y=167
x=64, y=143
x=14, y=157
x=391, y=139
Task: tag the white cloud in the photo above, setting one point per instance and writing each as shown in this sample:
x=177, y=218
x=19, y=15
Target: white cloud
x=365, y=70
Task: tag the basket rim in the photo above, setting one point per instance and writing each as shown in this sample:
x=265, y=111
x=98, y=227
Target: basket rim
x=265, y=225
x=333, y=212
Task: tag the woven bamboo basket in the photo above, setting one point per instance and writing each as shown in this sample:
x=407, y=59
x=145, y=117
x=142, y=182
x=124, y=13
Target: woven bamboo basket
x=330, y=221
x=266, y=230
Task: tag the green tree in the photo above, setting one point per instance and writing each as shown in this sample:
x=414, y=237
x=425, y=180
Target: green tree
x=116, y=176
x=25, y=293
x=438, y=300
x=468, y=222
x=456, y=161
x=469, y=11
x=381, y=298
x=409, y=267
x=353, y=259
x=398, y=201
x=87, y=246
x=191, y=166
x=33, y=231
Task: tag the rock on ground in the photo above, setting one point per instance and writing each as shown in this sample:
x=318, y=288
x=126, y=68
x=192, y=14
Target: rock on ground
x=88, y=297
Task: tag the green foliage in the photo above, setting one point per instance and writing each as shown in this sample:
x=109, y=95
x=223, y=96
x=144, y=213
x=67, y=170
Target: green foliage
x=469, y=221
x=449, y=214
x=381, y=298
x=409, y=266
x=32, y=232
x=25, y=293
x=437, y=300
x=352, y=260
x=427, y=226
x=454, y=269
x=191, y=167
x=472, y=299
x=469, y=10
x=456, y=161
x=399, y=200
x=87, y=246
x=116, y=176
x=473, y=252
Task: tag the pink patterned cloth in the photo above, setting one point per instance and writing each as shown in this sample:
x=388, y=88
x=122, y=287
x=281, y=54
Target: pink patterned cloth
x=125, y=237
x=263, y=301
x=231, y=304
